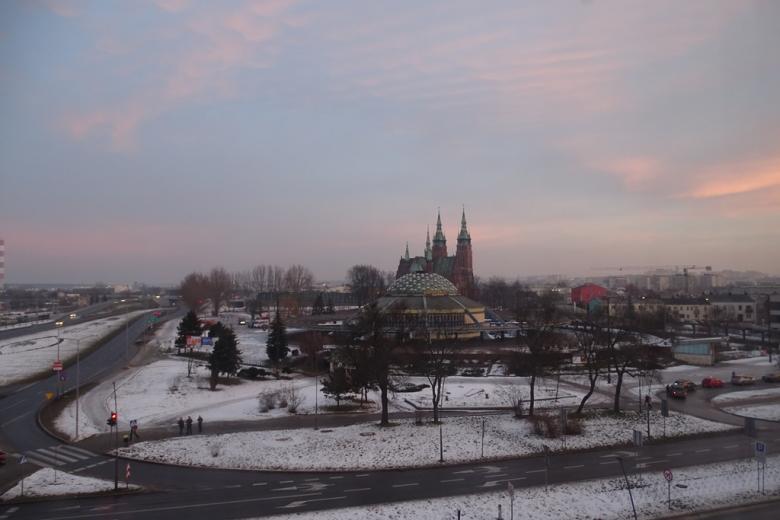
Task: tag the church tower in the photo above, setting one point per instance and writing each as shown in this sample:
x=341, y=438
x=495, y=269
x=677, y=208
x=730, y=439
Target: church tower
x=439, y=241
x=463, y=273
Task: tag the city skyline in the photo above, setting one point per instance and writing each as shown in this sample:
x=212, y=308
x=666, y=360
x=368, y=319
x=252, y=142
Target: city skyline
x=143, y=141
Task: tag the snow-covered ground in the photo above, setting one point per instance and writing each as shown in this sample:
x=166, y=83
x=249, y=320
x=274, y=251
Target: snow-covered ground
x=769, y=412
x=745, y=395
x=708, y=487
x=367, y=446
x=48, y=482
x=31, y=354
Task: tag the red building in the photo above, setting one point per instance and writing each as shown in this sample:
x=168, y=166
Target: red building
x=458, y=269
x=587, y=292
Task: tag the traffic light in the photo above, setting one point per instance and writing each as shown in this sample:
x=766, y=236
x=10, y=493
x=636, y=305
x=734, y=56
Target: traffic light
x=112, y=420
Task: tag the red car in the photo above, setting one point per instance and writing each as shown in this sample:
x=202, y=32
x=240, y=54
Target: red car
x=676, y=391
x=711, y=382
x=2, y=458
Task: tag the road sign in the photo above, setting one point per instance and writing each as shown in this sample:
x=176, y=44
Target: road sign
x=23, y=460
x=638, y=438
x=127, y=472
x=193, y=341
x=759, y=450
x=205, y=341
x=668, y=475
x=57, y=366
x=63, y=376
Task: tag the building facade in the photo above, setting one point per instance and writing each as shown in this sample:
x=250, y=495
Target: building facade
x=458, y=269
x=583, y=294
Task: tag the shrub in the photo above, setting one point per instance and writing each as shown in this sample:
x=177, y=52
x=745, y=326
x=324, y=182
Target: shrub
x=574, y=426
x=545, y=426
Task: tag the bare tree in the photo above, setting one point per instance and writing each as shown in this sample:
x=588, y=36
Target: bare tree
x=433, y=357
x=593, y=356
x=298, y=278
x=367, y=282
x=220, y=284
x=194, y=289
x=274, y=276
x=257, y=278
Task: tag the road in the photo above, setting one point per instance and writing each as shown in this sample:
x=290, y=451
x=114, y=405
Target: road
x=204, y=494
x=85, y=314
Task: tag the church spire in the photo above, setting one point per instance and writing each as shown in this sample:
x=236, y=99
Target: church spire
x=464, y=232
x=439, y=236
x=428, y=253
x=406, y=255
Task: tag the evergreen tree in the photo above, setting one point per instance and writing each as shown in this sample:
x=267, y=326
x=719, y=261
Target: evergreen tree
x=330, y=309
x=225, y=358
x=319, y=306
x=188, y=326
x=336, y=385
x=276, y=345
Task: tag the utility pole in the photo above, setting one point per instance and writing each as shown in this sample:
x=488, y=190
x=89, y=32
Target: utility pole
x=628, y=486
x=441, y=444
x=78, y=383
x=116, y=444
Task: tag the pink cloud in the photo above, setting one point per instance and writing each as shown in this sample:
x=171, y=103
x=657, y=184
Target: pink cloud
x=737, y=179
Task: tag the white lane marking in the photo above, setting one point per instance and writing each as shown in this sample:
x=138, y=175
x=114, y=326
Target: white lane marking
x=676, y=454
x=6, y=423
x=300, y=503
x=232, y=486
x=705, y=450
x=498, y=475
x=335, y=478
x=68, y=447
x=406, y=485
x=452, y=480
x=310, y=479
x=609, y=462
x=286, y=481
x=657, y=461
x=494, y=483
x=643, y=458
x=576, y=466
x=260, y=483
x=356, y=490
x=463, y=472
x=362, y=475
x=731, y=446
x=17, y=403
x=535, y=471
x=36, y=458
x=57, y=455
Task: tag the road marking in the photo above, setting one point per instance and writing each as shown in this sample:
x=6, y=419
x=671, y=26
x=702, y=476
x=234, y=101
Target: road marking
x=356, y=490
x=576, y=466
x=232, y=486
x=677, y=454
x=494, y=483
x=731, y=446
x=286, y=481
x=656, y=461
x=705, y=450
x=452, y=480
x=536, y=471
x=15, y=404
x=300, y=503
x=335, y=477
x=609, y=462
x=41, y=459
x=6, y=423
x=643, y=458
x=310, y=480
x=57, y=455
x=68, y=447
x=463, y=472
x=406, y=485
x=362, y=475
x=260, y=483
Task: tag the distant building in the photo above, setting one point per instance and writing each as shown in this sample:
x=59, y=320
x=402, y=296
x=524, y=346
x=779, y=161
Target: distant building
x=773, y=307
x=733, y=307
x=699, y=351
x=458, y=269
x=583, y=294
x=688, y=309
x=2, y=263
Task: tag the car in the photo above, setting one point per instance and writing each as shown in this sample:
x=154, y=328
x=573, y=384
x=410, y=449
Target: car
x=688, y=386
x=73, y=315
x=3, y=457
x=774, y=377
x=742, y=380
x=242, y=322
x=711, y=382
x=676, y=391
x=59, y=323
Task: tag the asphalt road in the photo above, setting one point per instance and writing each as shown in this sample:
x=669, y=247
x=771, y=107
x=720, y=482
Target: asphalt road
x=201, y=494
x=85, y=314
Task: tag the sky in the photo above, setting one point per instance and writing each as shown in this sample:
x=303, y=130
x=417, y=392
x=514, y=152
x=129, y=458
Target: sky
x=143, y=140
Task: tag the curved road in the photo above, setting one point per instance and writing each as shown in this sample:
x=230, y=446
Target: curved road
x=207, y=494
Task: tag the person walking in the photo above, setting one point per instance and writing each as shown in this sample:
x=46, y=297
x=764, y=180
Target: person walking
x=189, y=425
x=181, y=425
x=200, y=424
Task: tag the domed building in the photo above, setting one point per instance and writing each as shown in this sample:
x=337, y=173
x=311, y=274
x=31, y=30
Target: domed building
x=429, y=302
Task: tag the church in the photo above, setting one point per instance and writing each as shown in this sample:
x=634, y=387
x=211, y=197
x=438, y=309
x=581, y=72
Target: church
x=458, y=269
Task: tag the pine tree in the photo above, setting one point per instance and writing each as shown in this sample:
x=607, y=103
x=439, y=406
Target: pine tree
x=188, y=326
x=319, y=306
x=225, y=358
x=276, y=345
x=336, y=385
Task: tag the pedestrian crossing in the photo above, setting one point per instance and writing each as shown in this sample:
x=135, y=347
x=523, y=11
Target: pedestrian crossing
x=56, y=456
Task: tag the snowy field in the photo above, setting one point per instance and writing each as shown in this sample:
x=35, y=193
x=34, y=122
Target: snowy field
x=769, y=412
x=708, y=487
x=25, y=356
x=745, y=395
x=48, y=482
x=367, y=446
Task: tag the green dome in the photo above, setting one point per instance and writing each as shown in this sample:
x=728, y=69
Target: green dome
x=422, y=284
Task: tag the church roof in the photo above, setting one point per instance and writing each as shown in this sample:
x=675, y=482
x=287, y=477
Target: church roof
x=422, y=284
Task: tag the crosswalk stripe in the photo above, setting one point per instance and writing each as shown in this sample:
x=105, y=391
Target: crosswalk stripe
x=41, y=460
x=75, y=449
x=56, y=455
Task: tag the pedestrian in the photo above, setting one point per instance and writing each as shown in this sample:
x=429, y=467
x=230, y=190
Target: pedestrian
x=181, y=425
x=134, y=430
x=189, y=425
x=200, y=424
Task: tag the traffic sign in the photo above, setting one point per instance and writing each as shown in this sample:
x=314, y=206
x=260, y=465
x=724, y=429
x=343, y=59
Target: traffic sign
x=23, y=460
x=57, y=366
x=668, y=475
x=759, y=450
x=63, y=376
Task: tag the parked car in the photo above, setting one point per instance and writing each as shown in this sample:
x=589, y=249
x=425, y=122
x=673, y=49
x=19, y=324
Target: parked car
x=676, y=391
x=242, y=322
x=742, y=380
x=711, y=382
x=774, y=377
x=689, y=386
x=3, y=457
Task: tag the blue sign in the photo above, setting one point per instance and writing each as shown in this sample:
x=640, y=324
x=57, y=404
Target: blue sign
x=206, y=341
